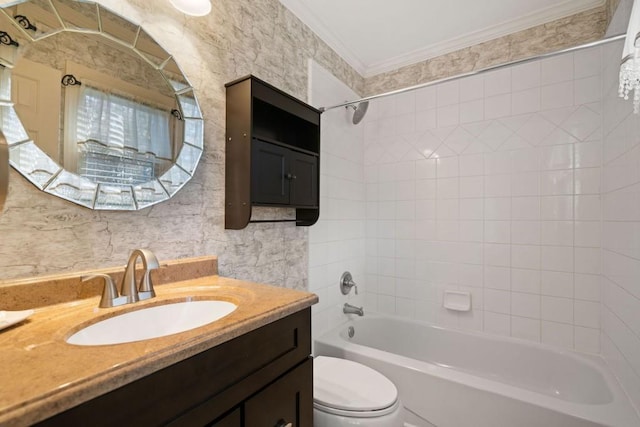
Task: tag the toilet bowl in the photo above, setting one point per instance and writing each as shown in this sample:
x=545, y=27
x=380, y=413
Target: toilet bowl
x=346, y=393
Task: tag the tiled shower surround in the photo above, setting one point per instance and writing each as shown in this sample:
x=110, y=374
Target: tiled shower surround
x=519, y=186
x=491, y=185
x=621, y=232
x=337, y=240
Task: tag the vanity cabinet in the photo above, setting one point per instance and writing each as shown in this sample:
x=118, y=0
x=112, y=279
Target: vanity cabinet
x=272, y=153
x=263, y=378
x=277, y=405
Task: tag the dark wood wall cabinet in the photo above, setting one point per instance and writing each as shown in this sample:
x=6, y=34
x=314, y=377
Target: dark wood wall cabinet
x=272, y=153
x=261, y=379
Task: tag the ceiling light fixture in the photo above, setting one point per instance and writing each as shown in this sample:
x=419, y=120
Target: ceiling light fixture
x=192, y=7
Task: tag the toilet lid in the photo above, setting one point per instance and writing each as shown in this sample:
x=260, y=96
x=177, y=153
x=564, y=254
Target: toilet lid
x=344, y=384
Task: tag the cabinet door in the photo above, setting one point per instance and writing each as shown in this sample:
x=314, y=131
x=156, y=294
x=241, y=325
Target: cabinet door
x=269, y=183
x=304, y=179
x=234, y=419
x=288, y=402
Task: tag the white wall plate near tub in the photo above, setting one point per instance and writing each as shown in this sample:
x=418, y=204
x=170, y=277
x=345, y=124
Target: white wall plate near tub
x=457, y=301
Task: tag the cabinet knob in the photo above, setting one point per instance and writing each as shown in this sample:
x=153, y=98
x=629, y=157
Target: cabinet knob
x=290, y=176
x=283, y=423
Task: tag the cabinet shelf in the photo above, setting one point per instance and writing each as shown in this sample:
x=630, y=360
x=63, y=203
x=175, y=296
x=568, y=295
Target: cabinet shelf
x=272, y=153
x=284, y=144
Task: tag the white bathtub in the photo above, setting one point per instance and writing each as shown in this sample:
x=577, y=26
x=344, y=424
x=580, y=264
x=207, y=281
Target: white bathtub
x=453, y=378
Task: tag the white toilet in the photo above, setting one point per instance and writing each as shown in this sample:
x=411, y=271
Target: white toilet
x=346, y=393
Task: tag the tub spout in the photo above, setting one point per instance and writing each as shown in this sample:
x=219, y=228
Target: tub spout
x=352, y=309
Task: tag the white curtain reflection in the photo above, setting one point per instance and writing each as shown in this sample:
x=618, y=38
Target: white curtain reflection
x=120, y=141
x=119, y=122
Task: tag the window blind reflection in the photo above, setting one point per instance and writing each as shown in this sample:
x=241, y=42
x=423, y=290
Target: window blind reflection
x=121, y=141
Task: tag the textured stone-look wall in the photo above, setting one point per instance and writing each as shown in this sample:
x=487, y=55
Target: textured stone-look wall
x=611, y=6
x=556, y=35
x=42, y=234
x=93, y=52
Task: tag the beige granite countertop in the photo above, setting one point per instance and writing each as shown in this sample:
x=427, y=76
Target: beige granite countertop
x=42, y=375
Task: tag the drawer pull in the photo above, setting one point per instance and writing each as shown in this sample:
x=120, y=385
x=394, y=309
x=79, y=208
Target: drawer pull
x=283, y=423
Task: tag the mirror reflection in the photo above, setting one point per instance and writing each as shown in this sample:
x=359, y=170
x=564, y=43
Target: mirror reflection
x=94, y=110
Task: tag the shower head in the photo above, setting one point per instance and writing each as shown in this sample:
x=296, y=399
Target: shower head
x=359, y=111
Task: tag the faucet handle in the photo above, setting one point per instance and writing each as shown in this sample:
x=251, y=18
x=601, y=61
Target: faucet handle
x=110, y=297
x=346, y=283
x=145, y=290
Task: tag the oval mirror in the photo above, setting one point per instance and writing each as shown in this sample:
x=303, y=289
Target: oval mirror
x=93, y=109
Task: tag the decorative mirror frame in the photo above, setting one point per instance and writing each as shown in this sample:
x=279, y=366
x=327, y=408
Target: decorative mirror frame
x=4, y=171
x=46, y=174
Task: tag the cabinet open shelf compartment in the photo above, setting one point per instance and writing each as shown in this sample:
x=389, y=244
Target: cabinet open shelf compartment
x=272, y=153
x=272, y=124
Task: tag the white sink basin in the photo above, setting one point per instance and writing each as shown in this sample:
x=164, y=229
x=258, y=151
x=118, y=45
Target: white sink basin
x=152, y=322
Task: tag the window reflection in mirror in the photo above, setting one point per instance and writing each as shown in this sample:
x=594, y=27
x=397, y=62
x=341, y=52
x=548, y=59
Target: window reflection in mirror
x=118, y=127
x=119, y=140
x=124, y=131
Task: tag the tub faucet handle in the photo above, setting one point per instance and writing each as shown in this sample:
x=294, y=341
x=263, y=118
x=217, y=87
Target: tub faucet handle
x=346, y=283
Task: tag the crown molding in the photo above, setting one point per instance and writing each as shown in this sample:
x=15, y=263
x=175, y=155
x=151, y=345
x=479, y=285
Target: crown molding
x=308, y=18
x=561, y=10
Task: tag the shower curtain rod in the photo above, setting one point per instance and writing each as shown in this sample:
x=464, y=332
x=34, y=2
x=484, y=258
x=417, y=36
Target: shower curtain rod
x=475, y=72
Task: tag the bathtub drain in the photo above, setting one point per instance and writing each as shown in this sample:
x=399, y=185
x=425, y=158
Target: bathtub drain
x=351, y=331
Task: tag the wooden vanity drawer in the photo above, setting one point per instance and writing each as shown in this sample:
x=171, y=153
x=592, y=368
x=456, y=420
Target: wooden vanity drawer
x=200, y=389
x=284, y=401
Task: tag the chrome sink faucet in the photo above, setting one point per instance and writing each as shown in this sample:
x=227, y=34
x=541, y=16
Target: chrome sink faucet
x=129, y=289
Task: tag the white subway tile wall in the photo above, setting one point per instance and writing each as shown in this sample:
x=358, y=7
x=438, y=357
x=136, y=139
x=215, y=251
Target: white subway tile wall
x=620, y=238
x=491, y=184
x=337, y=241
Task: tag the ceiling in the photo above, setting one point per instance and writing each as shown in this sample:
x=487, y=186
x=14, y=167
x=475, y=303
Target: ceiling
x=376, y=36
